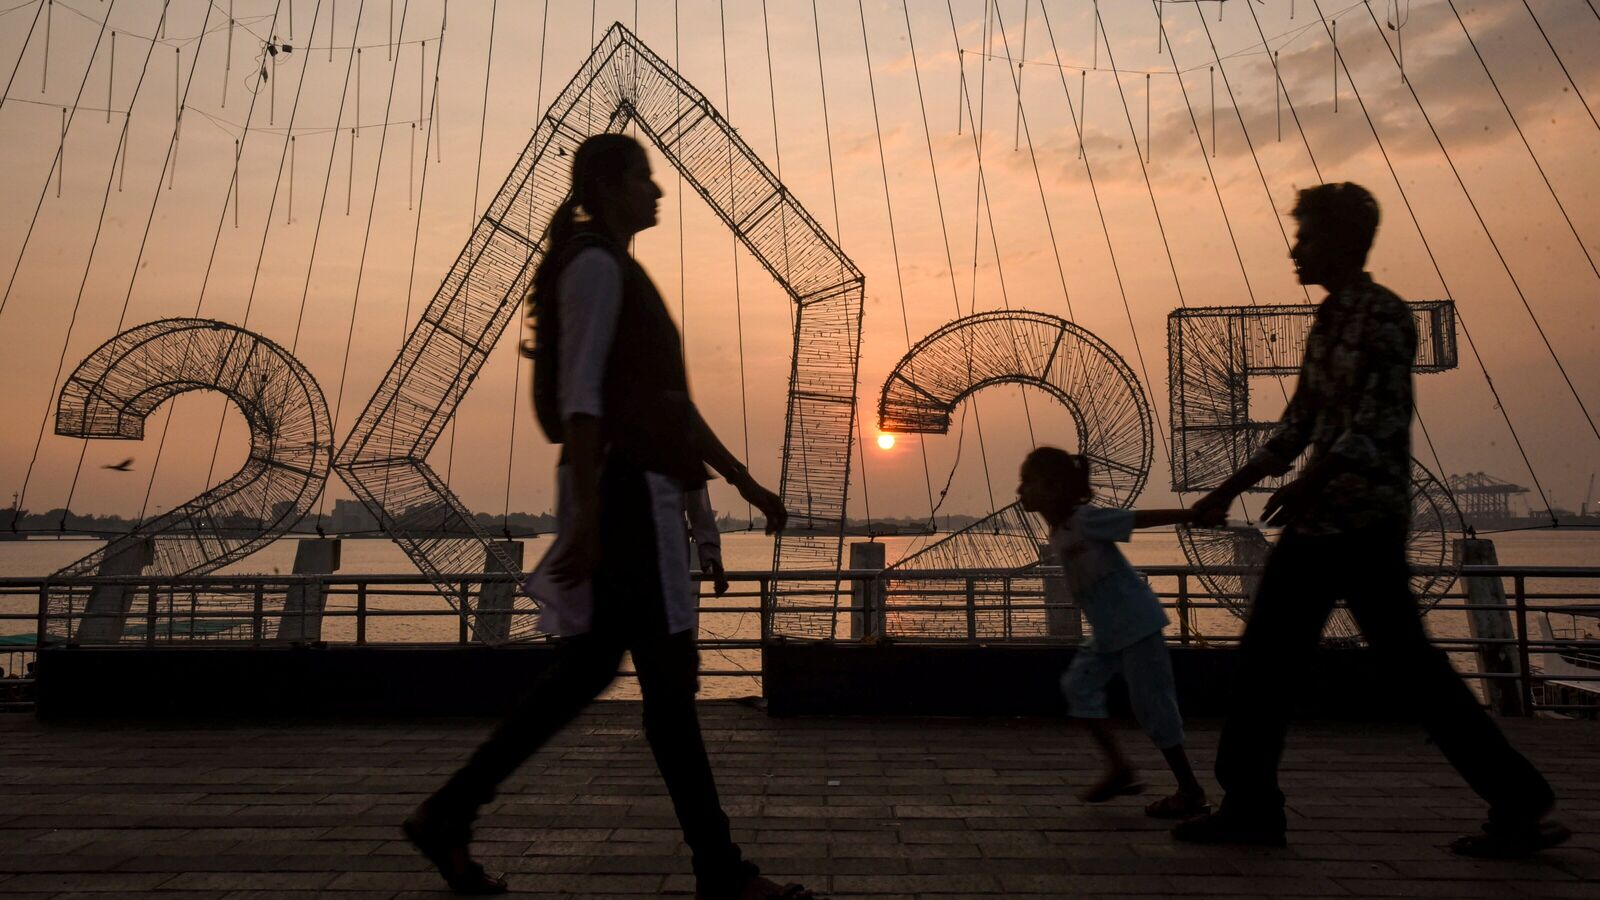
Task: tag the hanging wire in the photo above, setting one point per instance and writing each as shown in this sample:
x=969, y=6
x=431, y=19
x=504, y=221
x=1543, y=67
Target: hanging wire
x=1083, y=109
x=944, y=229
x=366, y=240
x=44, y=71
x=1559, y=61
x=227, y=67
x=738, y=302
x=677, y=104
x=977, y=215
x=120, y=151
x=1287, y=100
x=1094, y=38
x=1078, y=360
x=516, y=371
x=988, y=210
x=1583, y=248
x=894, y=241
x=777, y=152
x=56, y=162
x=838, y=235
x=1334, y=34
x=961, y=85
x=111, y=77
x=477, y=179
x=1277, y=95
x=177, y=109
x=1444, y=285
x=416, y=234
x=1016, y=128
x=286, y=156
x=23, y=52
x=205, y=279
x=327, y=184
x=1504, y=264
x=1094, y=191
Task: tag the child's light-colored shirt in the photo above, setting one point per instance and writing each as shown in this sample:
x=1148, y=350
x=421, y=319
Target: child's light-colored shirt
x=1119, y=605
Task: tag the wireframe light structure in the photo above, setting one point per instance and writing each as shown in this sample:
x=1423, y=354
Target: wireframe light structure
x=384, y=460
x=111, y=393
x=1113, y=424
x=1213, y=352
x=1038, y=350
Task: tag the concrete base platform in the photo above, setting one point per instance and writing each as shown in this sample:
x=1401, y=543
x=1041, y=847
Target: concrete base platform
x=853, y=806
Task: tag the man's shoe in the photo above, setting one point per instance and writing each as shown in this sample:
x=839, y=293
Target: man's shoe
x=1223, y=827
x=445, y=845
x=1501, y=841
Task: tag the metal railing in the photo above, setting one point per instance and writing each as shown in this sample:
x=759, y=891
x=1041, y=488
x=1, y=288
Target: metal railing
x=929, y=607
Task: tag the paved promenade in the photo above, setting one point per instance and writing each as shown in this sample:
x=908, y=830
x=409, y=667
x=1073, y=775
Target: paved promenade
x=856, y=807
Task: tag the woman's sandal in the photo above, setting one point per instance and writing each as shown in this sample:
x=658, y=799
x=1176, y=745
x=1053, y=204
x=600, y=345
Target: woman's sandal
x=1511, y=842
x=1178, y=806
x=446, y=847
x=1117, y=784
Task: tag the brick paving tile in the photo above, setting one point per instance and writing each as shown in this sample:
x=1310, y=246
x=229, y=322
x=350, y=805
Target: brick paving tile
x=854, y=807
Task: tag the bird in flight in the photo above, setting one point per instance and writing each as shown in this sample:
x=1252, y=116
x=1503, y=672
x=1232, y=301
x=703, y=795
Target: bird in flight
x=124, y=466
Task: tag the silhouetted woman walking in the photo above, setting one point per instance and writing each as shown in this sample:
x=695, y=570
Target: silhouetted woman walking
x=610, y=386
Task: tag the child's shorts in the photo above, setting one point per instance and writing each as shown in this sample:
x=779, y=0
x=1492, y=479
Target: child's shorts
x=1146, y=668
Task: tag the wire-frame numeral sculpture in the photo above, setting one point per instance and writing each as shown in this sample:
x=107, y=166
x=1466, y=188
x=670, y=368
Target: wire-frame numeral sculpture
x=1112, y=419
x=119, y=385
x=384, y=460
x=1212, y=353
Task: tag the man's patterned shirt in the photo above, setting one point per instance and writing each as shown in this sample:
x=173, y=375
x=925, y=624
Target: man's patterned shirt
x=1352, y=406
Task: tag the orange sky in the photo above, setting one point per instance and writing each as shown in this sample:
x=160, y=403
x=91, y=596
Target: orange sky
x=192, y=216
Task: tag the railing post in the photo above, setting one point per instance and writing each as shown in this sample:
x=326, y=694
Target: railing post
x=44, y=617
x=150, y=617
x=257, y=621
x=864, y=598
x=1005, y=585
x=466, y=596
x=1183, y=608
x=763, y=588
x=1489, y=621
x=972, y=609
x=1525, y=675
x=361, y=613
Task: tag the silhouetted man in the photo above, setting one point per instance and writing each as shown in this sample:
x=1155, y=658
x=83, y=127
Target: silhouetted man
x=1345, y=519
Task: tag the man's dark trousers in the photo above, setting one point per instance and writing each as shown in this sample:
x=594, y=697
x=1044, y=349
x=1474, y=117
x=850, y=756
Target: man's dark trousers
x=1304, y=576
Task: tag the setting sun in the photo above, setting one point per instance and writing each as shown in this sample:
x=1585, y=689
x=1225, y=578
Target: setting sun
x=885, y=441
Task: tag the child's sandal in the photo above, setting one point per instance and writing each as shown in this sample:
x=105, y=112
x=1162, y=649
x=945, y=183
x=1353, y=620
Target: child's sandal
x=1117, y=784
x=1178, y=806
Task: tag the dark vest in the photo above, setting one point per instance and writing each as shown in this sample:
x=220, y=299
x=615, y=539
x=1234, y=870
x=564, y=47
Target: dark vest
x=648, y=416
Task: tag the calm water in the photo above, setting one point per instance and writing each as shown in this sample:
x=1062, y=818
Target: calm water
x=743, y=551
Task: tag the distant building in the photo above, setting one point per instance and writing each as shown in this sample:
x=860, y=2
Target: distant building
x=350, y=516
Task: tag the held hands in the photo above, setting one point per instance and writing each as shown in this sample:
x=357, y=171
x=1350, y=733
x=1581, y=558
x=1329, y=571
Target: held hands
x=1211, y=511
x=1209, y=516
